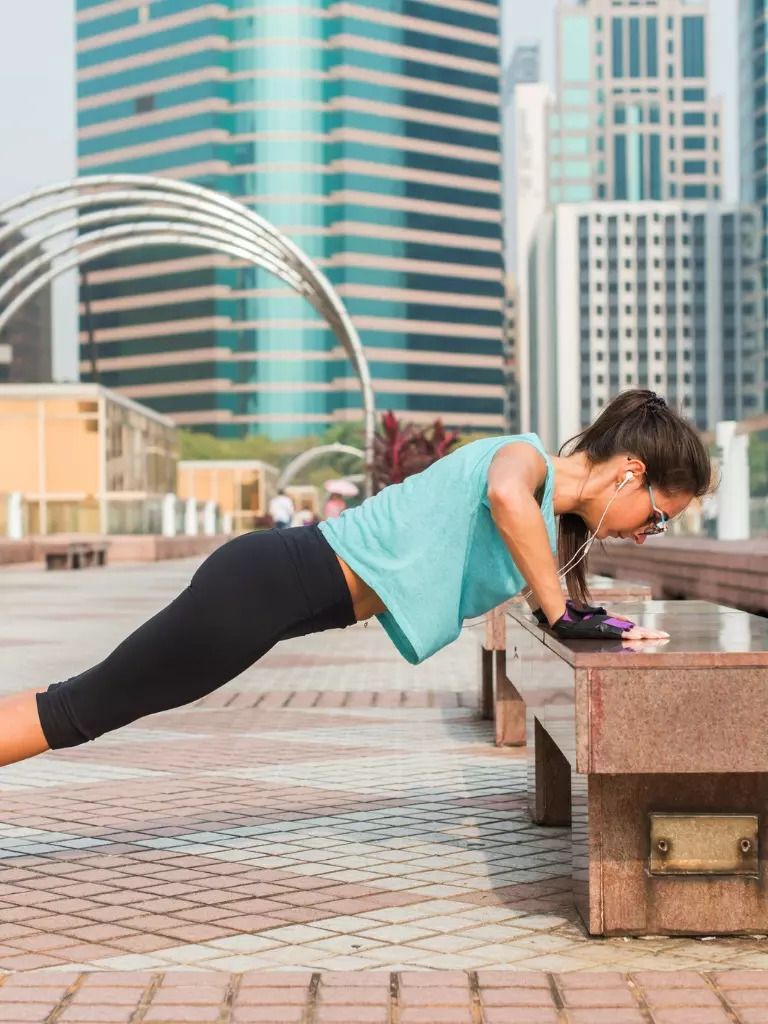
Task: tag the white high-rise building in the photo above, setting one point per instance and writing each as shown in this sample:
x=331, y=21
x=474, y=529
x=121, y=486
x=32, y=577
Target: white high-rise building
x=523, y=68
x=650, y=294
x=531, y=103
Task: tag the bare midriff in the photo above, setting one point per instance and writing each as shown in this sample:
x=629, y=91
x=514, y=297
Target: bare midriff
x=365, y=600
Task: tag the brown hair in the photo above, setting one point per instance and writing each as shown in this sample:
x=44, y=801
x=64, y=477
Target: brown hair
x=640, y=423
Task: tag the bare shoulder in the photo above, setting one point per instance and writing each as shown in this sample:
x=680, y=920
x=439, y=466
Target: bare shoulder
x=517, y=465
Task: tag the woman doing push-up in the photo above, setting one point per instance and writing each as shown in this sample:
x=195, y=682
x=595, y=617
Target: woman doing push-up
x=446, y=545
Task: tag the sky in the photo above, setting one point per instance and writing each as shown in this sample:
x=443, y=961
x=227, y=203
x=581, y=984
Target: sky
x=37, y=108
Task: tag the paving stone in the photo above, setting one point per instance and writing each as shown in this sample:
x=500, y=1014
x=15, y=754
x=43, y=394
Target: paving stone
x=333, y=807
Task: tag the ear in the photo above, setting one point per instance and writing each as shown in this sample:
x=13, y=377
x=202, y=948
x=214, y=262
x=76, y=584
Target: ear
x=636, y=467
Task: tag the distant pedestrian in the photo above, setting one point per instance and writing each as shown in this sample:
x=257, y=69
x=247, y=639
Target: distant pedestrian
x=446, y=545
x=303, y=517
x=281, y=508
x=334, y=506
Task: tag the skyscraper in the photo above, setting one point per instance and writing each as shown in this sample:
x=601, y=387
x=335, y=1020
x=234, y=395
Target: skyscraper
x=524, y=183
x=370, y=135
x=647, y=294
x=753, y=143
x=633, y=117
x=531, y=103
x=25, y=344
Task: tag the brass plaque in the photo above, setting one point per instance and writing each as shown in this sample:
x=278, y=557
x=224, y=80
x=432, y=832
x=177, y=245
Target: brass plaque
x=703, y=844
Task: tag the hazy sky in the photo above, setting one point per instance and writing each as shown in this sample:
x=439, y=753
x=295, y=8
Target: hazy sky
x=37, y=115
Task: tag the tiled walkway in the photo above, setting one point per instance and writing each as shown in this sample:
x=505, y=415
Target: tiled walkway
x=332, y=810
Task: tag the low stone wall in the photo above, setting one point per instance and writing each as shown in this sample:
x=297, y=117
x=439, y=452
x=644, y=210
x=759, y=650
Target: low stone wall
x=122, y=547
x=13, y=551
x=733, y=573
x=154, y=548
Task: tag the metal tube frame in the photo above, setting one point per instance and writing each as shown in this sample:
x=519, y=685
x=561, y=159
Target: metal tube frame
x=304, y=458
x=192, y=216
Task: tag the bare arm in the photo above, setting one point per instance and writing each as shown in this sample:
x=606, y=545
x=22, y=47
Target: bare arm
x=515, y=473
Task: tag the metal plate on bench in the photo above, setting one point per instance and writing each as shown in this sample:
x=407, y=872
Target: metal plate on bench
x=703, y=844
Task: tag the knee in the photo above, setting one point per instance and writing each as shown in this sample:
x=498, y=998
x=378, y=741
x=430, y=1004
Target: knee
x=58, y=720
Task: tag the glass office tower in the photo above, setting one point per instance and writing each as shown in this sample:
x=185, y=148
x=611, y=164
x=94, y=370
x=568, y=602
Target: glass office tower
x=753, y=145
x=369, y=133
x=633, y=117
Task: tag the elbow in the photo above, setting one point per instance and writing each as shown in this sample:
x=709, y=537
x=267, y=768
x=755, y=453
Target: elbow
x=507, y=502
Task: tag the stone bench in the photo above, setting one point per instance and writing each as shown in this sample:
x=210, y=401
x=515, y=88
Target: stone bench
x=499, y=700
x=74, y=554
x=658, y=758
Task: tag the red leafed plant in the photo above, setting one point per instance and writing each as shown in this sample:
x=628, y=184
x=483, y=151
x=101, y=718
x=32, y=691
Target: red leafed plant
x=400, y=450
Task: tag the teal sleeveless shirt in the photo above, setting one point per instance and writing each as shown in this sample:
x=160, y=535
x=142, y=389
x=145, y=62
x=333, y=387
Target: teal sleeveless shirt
x=430, y=549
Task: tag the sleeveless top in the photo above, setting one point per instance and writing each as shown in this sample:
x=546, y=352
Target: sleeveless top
x=430, y=549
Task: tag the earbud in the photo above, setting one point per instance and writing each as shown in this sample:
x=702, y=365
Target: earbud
x=629, y=475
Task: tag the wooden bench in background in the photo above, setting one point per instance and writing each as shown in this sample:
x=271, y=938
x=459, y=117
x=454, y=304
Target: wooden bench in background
x=73, y=554
x=499, y=700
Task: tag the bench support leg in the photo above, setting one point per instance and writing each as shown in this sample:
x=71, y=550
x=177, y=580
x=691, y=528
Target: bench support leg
x=613, y=889
x=486, y=684
x=550, y=791
x=510, y=706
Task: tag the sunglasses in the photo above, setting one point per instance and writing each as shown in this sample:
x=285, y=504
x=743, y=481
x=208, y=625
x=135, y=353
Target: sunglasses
x=659, y=523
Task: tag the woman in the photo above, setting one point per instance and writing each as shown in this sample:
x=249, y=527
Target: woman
x=334, y=506
x=448, y=544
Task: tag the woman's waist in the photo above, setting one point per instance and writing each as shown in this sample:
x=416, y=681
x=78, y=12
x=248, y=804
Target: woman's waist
x=365, y=600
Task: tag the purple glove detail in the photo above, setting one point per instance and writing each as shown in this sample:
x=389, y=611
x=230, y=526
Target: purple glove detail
x=590, y=627
x=574, y=614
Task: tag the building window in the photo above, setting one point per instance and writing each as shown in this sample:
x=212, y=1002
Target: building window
x=617, y=47
x=634, y=47
x=693, y=46
x=143, y=104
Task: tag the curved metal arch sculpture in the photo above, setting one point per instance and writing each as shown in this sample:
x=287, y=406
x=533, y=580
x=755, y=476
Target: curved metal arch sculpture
x=310, y=455
x=137, y=210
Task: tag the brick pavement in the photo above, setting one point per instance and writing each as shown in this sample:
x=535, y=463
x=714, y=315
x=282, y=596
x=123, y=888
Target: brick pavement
x=379, y=997
x=314, y=842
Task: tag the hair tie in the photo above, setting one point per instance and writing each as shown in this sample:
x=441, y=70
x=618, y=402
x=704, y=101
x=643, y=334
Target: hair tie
x=655, y=401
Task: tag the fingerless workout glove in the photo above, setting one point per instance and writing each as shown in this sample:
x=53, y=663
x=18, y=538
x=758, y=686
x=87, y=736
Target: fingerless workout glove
x=590, y=627
x=572, y=610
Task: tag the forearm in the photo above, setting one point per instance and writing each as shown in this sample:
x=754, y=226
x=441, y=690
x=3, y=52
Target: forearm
x=520, y=523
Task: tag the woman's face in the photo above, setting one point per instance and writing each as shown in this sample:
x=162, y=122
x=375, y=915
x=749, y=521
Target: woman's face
x=636, y=510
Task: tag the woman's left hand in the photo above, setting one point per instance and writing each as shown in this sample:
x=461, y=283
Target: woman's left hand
x=641, y=633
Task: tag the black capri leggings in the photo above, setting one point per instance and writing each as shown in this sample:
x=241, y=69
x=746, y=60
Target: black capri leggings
x=254, y=591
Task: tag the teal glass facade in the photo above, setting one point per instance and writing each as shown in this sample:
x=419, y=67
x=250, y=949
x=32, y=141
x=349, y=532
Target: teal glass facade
x=369, y=134
x=753, y=144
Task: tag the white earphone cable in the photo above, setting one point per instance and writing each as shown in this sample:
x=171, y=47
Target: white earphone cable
x=629, y=475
